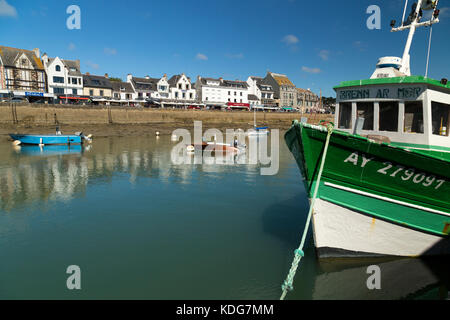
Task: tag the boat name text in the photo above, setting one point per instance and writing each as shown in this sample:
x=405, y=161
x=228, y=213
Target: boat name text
x=386, y=93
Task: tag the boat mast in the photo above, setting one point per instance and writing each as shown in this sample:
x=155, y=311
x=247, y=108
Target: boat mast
x=412, y=29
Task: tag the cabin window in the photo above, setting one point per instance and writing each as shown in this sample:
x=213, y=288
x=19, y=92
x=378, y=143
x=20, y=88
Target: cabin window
x=345, y=115
x=440, y=115
x=388, y=120
x=365, y=110
x=413, y=117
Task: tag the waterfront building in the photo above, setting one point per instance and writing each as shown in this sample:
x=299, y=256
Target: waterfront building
x=162, y=89
x=284, y=90
x=216, y=93
x=22, y=74
x=307, y=101
x=123, y=93
x=182, y=92
x=144, y=88
x=64, y=78
x=260, y=94
x=98, y=88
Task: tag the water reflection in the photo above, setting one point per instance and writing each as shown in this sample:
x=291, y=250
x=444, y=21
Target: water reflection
x=33, y=173
x=126, y=214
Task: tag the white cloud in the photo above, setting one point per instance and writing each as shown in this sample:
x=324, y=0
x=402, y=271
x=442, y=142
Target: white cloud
x=7, y=10
x=235, y=56
x=311, y=70
x=445, y=12
x=324, y=54
x=290, y=39
x=92, y=65
x=110, y=51
x=361, y=46
x=72, y=46
x=201, y=56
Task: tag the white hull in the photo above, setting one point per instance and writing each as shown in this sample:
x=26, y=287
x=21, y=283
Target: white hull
x=339, y=231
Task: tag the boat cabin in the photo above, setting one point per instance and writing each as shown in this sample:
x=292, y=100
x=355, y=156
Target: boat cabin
x=407, y=110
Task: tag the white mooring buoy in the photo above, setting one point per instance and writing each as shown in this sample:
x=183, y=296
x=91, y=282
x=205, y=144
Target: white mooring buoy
x=17, y=142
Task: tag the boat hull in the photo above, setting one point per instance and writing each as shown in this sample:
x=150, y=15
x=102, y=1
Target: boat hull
x=47, y=139
x=340, y=231
x=364, y=183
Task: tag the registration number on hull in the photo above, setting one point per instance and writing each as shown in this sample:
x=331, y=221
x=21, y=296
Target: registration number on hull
x=398, y=171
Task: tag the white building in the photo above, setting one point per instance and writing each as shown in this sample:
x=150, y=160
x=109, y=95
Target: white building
x=261, y=94
x=150, y=90
x=123, y=93
x=162, y=89
x=181, y=89
x=64, y=77
x=219, y=92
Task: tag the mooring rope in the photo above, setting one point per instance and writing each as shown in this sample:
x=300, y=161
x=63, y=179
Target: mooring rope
x=299, y=254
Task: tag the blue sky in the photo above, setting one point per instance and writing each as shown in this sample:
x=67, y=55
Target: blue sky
x=316, y=43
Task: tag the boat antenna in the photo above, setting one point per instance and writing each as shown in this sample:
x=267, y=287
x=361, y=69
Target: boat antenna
x=404, y=12
x=429, y=49
x=412, y=24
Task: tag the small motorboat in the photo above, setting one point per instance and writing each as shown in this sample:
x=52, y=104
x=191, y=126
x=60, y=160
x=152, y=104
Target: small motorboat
x=258, y=131
x=215, y=147
x=51, y=139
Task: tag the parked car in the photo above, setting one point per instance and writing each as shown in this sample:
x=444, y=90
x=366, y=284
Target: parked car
x=18, y=100
x=194, y=108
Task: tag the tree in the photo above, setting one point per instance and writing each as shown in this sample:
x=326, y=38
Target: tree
x=115, y=79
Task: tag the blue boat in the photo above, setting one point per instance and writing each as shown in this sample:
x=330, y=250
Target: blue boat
x=51, y=139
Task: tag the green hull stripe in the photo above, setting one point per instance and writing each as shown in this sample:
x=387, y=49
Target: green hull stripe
x=417, y=183
x=388, y=211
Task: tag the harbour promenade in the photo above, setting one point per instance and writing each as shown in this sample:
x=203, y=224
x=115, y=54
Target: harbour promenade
x=123, y=121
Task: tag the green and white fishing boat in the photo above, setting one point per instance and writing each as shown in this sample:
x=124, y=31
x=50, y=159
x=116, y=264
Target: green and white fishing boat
x=384, y=188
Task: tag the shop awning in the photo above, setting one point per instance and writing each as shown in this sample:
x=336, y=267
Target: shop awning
x=72, y=98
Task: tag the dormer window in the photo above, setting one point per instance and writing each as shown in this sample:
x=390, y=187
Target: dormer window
x=58, y=68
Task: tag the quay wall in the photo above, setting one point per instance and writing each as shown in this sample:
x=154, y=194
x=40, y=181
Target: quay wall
x=29, y=115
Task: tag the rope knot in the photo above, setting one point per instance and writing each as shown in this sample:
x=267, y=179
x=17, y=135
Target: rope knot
x=287, y=286
x=299, y=252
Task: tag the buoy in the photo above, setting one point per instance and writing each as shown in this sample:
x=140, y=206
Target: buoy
x=17, y=142
x=190, y=148
x=157, y=133
x=89, y=136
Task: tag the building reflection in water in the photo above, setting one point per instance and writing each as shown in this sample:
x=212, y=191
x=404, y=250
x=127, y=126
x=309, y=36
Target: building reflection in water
x=31, y=173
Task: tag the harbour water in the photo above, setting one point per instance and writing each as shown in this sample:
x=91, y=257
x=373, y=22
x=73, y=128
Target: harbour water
x=140, y=227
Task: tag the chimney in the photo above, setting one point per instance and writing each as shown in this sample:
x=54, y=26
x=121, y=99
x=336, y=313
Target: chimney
x=106, y=76
x=45, y=59
x=129, y=77
x=37, y=52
